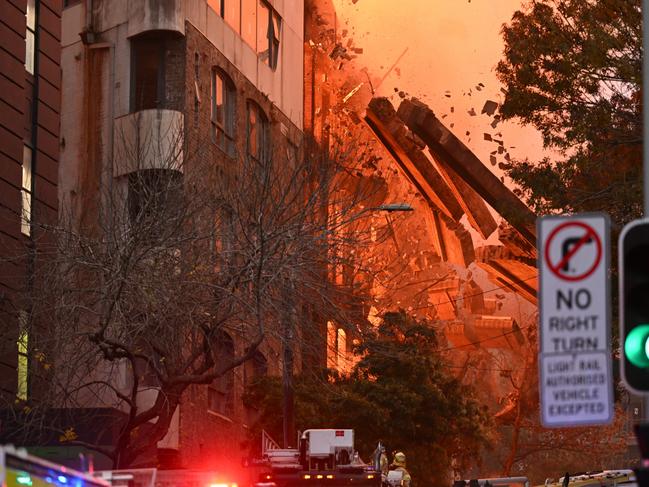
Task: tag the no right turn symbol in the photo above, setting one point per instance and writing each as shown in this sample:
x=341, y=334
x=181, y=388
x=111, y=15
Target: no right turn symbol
x=573, y=251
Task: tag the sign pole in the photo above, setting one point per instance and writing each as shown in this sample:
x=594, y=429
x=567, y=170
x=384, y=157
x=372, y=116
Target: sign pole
x=645, y=137
x=645, y=103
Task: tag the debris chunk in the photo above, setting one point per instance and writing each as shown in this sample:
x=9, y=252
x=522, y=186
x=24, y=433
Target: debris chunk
x=472, y=112
x=487, y=136
x=489, y=107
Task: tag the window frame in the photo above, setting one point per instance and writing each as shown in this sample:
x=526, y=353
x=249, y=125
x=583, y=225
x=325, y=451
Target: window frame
x=272, y=39
x=261, y=129
x=26, y=195
x=30, y=36
x=22, y=365
x=223, y=131
x=159, y=44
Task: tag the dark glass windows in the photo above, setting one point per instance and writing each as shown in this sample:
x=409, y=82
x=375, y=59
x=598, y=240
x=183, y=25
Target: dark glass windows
x=258, y=137
x=223, y=108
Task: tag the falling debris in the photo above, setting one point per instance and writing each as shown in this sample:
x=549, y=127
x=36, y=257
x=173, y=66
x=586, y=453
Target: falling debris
x=472, y=112
x=337, y=51
x=487, y=136
x=467, y=133
x=402, y=94
x=447, y=95
x=489, y=107
x=492, y=159
x=352, y=93
x=452, y=109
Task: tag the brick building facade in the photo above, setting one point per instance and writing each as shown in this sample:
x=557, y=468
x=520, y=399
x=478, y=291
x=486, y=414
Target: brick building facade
x=216, y=72
x=30, y=87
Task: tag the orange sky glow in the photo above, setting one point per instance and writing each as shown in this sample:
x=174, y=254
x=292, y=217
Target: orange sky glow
x=452, y=46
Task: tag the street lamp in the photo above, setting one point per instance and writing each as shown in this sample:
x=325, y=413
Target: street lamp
x=392, y=207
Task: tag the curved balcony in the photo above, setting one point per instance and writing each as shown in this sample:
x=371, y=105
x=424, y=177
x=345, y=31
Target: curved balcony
x=152, y=15
x=148, y=139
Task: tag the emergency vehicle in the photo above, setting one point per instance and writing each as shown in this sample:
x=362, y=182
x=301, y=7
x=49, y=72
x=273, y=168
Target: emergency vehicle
x=324, y=458
x=605, y=478
x=19, y=469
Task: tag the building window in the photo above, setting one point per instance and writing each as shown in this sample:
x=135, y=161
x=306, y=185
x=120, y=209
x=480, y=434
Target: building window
x=233, y=14
x=218, y=6
x=148, y=74
x=249, y=22
x=223, y=111
x=157, y=78
x=30, y=36
x=26, y=192
x=258, y=137
x=337, y=357
x=153, y=194
x=220, y=393
x=22, y=384
x=268, y=34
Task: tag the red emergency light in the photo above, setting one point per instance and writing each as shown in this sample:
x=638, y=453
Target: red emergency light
x=340, y=433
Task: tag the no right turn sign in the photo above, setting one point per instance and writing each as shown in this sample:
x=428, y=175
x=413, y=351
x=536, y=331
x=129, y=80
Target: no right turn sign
x=574, y=308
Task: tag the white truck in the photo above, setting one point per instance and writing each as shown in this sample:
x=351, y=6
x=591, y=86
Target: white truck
x=324, y=458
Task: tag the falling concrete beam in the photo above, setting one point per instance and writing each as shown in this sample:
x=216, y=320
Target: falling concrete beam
x=476, y=211
x=448, y=148
x=452, y=241
x=393, y=134
x=485, y=331
x=518, y=274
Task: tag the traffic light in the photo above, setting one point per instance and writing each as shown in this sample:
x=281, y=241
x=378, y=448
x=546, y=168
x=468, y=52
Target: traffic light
x=634, y=305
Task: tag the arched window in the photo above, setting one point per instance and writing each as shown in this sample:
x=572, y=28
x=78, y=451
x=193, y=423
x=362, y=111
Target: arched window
x=223, y=109
x=258, y=136
x=220, y=393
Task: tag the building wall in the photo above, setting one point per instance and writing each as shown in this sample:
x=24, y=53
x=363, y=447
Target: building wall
x=208, y=438
x=98, y=113
x=29, y=117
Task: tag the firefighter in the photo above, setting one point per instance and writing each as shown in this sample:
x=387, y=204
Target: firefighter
x=399, y=464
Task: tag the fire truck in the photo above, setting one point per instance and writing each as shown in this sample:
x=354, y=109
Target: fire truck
x=324, y=458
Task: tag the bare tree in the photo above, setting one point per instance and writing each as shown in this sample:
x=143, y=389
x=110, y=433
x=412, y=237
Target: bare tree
x=150, y=278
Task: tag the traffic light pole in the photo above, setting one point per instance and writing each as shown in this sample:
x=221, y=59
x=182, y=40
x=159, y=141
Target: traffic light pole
x=642, y=474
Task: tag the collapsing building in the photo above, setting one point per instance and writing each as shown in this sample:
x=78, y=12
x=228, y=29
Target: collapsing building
x=416, y=158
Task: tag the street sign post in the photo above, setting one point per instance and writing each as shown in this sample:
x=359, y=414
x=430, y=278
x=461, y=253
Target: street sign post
x=574, y=303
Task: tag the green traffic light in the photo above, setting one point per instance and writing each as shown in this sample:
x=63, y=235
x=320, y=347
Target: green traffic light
x=636, y=346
